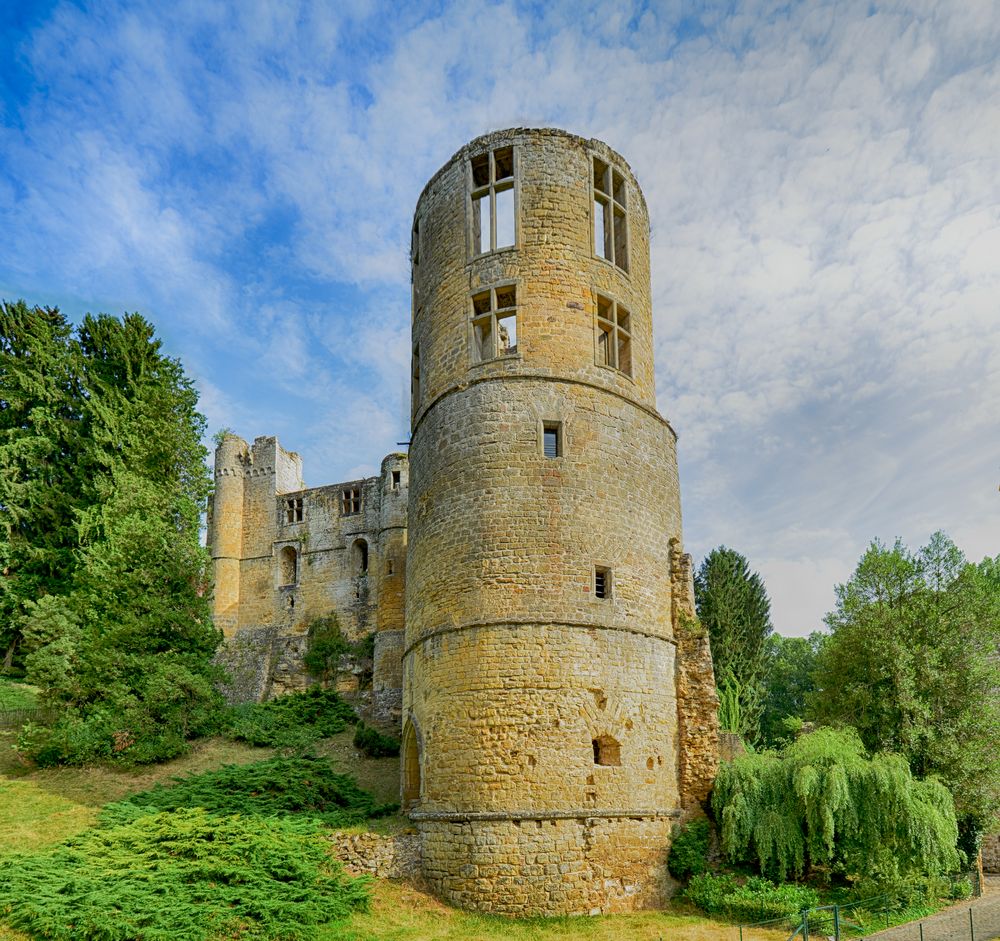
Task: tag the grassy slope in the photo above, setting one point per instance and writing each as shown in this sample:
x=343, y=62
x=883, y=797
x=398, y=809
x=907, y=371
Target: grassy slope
x=41, y=807
x=17, y=695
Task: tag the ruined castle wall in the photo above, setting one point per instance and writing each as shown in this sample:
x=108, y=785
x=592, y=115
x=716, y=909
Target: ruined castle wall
x=540, y=740
x=262, y=511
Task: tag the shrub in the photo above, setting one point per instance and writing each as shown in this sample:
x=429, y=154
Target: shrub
x=756, y=900
x=821, y=801
x=294, y=721
x=373, y=743
x=278, y=786
x=960, y=890
x=689, y=849
x=185, y=874
x=709, y=892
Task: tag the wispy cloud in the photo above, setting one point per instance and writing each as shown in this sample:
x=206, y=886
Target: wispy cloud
x=822, y=181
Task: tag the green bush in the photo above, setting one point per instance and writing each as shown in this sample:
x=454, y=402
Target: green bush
x=689, y=849
x=373, y=743
x=709, y=892
x=294, y=721
x=276, y=787
x=821, y=802
x=756, y=900
x=185, y=874
x=960, y=890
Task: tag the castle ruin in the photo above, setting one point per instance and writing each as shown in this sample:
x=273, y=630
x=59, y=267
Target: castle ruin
x=556, y=708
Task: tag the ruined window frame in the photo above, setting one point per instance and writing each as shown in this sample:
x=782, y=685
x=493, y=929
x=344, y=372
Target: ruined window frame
x=614, y=212
x=476, y=191
x=294, y=510
x=351, y=498
x=612, y=336
x=494, y=316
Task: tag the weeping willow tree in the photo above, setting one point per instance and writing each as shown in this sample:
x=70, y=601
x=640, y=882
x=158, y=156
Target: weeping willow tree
x=822, y=802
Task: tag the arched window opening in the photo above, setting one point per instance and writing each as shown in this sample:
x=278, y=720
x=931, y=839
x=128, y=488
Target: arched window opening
x=289, y=566
x=607, y=751
x=411, y=767
x=360, y=551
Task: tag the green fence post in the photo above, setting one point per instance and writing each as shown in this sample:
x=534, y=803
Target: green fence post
x=836, y=922
x=921, y=931
x=805, y=925
x=741, y=933
x=972, y=928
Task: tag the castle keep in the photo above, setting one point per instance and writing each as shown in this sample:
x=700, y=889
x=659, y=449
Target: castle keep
x=558, y=716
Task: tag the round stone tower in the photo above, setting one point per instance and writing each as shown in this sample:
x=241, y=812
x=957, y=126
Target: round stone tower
x=541, y=757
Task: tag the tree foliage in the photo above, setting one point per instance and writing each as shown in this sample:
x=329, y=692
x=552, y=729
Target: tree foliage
x=913, y=663
x=102, y=483
x=822, y=802
x=733, y=605
x=790, y=681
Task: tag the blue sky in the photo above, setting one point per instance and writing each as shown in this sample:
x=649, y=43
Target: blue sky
x=823, y=182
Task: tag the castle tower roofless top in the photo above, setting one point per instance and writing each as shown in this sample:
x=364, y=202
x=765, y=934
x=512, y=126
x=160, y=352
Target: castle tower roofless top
x=547, y=728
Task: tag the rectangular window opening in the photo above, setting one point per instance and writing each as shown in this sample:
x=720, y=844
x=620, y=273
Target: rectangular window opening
x=416, y=377
x=396, y=477
x=552, y=439
x=602, y=582
x=389, y=567
x=481, y=170
x=480, y=224
x=494, y=323
x=493, y=201
x=621, y=240
x=614, y=335
x=351, y=502
x=610, y=216
x=294, y=510
x=600, y=176
x=503, y=159
x=505, y=217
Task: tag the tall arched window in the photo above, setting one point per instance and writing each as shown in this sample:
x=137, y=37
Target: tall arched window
x=411, y=766
x=289, y=566
x=360, y=557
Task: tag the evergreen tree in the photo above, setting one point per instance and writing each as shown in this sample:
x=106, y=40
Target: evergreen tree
x=913, y=663
x=733, y=605
x=116, y=624
x=40, y=482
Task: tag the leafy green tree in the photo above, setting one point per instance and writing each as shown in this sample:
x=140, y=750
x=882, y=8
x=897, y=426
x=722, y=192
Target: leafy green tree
x=41, y=486
x=792, y=663
x=732, y=604
x=108, y=587
x=325, y=645
x=823, y=802
x=913, y=663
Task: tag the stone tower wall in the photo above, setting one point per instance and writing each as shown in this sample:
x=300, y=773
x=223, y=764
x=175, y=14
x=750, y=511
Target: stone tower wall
x=514, y=671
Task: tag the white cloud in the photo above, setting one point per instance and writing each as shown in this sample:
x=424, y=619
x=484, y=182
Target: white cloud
x=822, y=182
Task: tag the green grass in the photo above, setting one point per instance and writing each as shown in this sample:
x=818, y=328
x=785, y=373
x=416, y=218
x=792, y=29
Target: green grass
x=15, y=695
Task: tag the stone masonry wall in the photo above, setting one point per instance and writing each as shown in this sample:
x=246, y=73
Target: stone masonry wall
x=541, y=751
x=251, y=529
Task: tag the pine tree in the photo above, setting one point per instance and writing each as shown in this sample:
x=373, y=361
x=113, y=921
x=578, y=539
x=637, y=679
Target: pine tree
x=116, y=621
x=732, y=604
